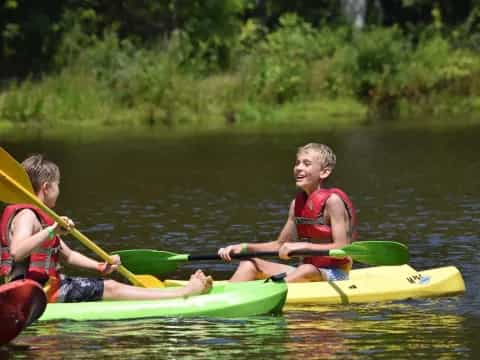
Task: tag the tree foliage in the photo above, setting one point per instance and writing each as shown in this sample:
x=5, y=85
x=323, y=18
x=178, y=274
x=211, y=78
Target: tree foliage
x=32, y=32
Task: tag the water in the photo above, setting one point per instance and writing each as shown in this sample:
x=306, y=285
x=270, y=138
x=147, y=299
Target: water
x=195, y=193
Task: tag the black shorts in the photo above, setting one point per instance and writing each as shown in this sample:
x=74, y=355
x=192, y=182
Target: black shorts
x=76, y=289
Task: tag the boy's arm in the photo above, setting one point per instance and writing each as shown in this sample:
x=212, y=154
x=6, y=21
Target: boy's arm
x=26, y=234
x=339, y=222
x=74, y=258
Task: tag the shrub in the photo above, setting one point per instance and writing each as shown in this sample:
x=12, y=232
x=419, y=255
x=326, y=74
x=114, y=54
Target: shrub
x=277, y=68
x=374, y=59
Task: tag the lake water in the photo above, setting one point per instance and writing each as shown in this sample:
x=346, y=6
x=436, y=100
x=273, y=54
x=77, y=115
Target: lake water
x=192, y=193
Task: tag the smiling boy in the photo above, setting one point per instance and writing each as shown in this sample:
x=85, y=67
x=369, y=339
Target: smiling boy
x=318, y=219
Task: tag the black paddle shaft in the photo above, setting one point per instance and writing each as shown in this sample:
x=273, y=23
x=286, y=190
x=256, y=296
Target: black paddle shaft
x=248, y=255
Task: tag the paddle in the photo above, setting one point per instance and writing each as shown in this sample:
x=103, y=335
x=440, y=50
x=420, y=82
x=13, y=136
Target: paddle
x=369, y=252
x=15, y=187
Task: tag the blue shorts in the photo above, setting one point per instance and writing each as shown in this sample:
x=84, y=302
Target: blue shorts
x=333, y=274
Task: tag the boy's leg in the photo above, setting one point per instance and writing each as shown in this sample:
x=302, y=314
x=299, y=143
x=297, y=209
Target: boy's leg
x=115, y=290
x=76, y=289
x=305, y=273
x=255, y=268
x=198, y=284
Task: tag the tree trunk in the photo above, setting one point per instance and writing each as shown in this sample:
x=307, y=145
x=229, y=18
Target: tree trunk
x=355, y=11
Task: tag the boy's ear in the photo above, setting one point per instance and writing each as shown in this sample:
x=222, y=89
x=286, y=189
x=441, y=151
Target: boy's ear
x=325, y=173
x=45, y=185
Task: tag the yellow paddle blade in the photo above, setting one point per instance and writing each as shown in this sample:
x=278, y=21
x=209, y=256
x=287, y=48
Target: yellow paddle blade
x=10, y=168
x=149, y=281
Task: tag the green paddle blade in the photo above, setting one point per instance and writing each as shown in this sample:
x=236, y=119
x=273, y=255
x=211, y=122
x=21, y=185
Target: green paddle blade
x=375, y=252
x=144, y=261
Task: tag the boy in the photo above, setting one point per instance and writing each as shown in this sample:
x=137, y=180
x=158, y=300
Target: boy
x=318, y=219
x=31, y=247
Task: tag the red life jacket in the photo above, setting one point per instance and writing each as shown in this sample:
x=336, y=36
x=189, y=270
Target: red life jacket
x=43, y=261
x=310, y=223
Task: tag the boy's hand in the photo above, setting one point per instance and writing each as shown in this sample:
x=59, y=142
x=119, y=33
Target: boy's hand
x=105, y=268
x=288, y=247
x=59, y=229
x=225, y=253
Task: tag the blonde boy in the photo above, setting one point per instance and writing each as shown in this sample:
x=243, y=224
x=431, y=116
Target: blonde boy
x=34, y=247
x=318, y=219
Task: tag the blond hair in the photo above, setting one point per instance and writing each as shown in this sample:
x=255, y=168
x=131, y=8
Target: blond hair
x=40, y=170
x=326, y=156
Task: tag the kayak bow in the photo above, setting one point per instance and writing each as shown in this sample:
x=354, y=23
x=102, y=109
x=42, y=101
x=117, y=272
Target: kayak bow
x=21, y=303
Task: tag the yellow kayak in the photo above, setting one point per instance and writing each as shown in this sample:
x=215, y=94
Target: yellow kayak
x=379, y=283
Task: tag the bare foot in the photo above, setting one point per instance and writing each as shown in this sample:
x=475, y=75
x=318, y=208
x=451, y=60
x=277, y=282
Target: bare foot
x=198, y=284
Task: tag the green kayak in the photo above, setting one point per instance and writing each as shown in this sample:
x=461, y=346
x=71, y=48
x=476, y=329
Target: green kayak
x=224, y=300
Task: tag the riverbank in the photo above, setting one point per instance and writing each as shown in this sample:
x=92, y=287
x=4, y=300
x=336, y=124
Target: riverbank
x=323, y=114
x=94, y=133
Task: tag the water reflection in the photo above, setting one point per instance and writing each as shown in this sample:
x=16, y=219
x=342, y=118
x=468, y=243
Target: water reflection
x=419, y=329
x=382, y=331
x=164, y=338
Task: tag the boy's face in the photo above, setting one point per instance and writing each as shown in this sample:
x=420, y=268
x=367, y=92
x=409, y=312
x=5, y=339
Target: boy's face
x=309, y=171
x=51, y=190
